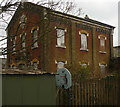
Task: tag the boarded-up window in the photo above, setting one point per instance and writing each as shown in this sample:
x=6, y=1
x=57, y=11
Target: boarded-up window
x=60, y=37
x=83, y=41
x=35, y=38
x=23, y=40
x=102, y=43
x=102, y=68
x=23, y=21
x=13, y=41
x=35, y=65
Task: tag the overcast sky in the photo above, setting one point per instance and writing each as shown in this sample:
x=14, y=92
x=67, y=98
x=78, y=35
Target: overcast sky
x=105, y=11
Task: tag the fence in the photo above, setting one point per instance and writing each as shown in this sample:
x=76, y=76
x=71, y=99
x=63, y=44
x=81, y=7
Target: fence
x=90, y=92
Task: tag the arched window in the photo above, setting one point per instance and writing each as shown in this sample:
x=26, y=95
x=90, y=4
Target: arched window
x=13, y=42
x=23, y=40
x=83, y=41
x=102, y=67
x=35, y=38
x=35, y=63
x=23, y=21
x=61, y=38
x=102, y=43
x=84, y=64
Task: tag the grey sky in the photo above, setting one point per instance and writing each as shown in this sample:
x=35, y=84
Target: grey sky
x=105, y=11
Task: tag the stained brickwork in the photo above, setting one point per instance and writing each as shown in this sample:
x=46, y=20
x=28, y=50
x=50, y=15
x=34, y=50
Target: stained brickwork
x=47, y=54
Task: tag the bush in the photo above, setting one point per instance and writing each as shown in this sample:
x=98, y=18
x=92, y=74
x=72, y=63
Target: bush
x=81, y=73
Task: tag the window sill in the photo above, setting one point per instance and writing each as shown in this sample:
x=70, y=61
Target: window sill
x=102, y=64
x=60, y=46
x=103, y=52
x=34, y=47
x=83, y=49
x=13, y=53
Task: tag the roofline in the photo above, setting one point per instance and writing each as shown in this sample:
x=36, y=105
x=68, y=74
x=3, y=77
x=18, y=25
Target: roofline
x=89, y=21
x=12, y=18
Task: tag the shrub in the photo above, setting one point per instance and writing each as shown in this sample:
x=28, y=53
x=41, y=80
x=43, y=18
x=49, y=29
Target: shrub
x=81, y=73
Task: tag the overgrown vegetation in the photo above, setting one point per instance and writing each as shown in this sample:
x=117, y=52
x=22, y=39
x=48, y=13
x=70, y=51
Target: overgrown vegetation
x=82, y=73
x=114, y=65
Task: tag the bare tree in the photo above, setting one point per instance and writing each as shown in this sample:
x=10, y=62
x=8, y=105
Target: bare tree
x=8, y=8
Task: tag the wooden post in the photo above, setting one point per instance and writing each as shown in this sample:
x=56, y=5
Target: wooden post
x=118, y=90
x=79, y=94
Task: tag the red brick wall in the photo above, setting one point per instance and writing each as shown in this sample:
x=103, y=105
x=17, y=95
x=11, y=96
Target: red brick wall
x=32, y=20
x=82, y=55
x=47, y=52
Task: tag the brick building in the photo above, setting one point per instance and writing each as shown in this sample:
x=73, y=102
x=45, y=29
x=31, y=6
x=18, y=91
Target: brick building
x=43, y=39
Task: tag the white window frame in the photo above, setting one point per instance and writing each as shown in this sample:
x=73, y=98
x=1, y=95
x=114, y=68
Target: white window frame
x=60, y=38
x=83, y=64
x=102, y=68
x=102, y=65
x=23, y=41
x=45, y=13
x=13, y=41
x=35, y=67
x=102, y=43
x=23, y=20
x=35, y=38
x=84, y=43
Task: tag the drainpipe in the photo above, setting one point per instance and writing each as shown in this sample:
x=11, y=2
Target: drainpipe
x=111, y=42
x=70, y=42
x=92, y=51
